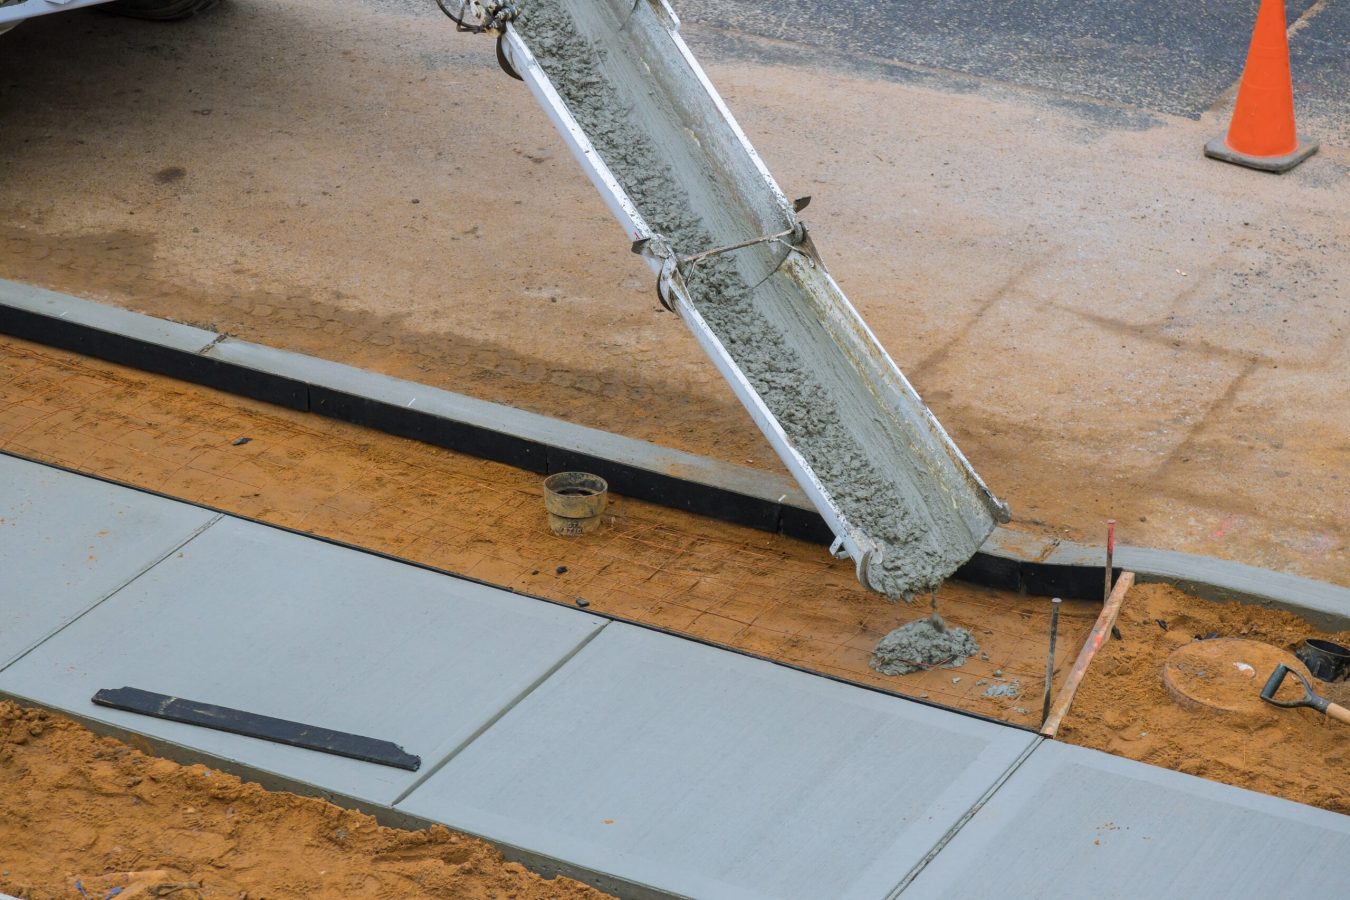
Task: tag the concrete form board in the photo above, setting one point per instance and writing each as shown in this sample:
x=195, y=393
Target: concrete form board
x=279, y=624
x=708, y=774
x=528, y=426
x=132, y=339
x=67, y=542
x=111, y=319
x=1009, y=559
x=1325, y=605
x=1073, y=822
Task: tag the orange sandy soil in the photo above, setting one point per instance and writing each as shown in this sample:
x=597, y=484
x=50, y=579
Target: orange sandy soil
x=76, y=807
x=1122, y=706
x=766, y=594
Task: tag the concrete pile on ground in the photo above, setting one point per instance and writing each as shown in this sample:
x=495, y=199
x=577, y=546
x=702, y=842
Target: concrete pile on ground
x=922, y=645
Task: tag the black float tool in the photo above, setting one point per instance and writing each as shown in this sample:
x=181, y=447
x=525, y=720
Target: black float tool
x=1309, y=699
x=264, y=728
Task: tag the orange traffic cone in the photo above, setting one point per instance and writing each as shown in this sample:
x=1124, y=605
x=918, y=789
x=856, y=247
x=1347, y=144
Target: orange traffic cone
x=1262, y=134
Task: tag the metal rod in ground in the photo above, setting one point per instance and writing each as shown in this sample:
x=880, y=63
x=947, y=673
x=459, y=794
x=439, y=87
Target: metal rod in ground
x=1110, y=552
x=1100, y=632
x=1050, y=659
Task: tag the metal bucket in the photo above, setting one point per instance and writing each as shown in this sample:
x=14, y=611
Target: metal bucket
x=575, y=501
x=1325, y=660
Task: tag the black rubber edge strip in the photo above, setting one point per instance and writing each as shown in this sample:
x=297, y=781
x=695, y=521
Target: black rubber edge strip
x=148, y=356
x=429, y=428
x=264, y=728
x=1075, y=578
x=711, y=500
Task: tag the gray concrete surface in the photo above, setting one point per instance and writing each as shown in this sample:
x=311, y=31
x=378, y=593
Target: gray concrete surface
x=642, y=762
x=67, y=543
x=262, y=620
x=714, y=775
x=1075, y=823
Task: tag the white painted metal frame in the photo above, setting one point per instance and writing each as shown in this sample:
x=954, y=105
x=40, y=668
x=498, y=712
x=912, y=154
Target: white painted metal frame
x=858, y=546
x=844, y=318
x=518, y=54
x=30, y=9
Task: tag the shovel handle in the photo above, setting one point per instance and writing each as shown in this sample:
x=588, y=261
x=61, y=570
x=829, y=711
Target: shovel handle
x=1338, y=712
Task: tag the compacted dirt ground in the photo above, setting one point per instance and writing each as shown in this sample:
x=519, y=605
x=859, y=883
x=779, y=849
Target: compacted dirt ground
x=1110, y=325
x=761, y=593
x=85, y=816
x=1124, y=708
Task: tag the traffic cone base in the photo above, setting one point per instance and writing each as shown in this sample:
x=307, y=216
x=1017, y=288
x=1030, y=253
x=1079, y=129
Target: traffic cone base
x=1219, y=149
x=1262, y=134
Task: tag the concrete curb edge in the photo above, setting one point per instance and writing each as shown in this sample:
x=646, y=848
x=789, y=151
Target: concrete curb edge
x=1009, y=559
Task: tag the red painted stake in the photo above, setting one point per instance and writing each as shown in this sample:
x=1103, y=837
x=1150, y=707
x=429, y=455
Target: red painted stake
x=1110, y=552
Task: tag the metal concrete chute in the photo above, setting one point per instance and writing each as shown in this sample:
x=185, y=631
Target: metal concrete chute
x=734, y=260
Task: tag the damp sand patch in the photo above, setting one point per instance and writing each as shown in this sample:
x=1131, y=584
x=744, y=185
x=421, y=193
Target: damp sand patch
x=922, y=645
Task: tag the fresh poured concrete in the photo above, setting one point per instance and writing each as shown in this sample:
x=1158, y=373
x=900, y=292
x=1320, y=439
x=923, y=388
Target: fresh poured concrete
x=835, y=408
x=275, y=623
x=68, y=542
x=710, y=774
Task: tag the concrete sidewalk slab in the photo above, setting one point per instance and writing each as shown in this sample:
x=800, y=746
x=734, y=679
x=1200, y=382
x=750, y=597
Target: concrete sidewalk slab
x=68, y=542
x=708, y=774
x=1073, y=822
x=275, y=623
x=99, y=317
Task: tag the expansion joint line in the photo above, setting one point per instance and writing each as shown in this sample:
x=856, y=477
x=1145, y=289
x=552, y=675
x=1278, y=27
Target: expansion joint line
x=961, y=822
x=515, y=701
x=196, y=533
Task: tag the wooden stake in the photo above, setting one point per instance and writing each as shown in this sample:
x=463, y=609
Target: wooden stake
x=1099, y=634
